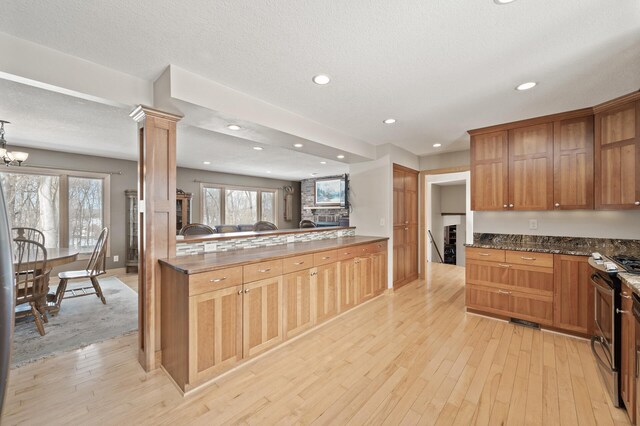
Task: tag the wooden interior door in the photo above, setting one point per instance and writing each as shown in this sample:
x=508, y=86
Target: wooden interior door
x=405, y=225
x=573, y=294
x=617, y=163
x=489, y=171
x=297, y=296
x=573, y=164
x=531, y=167
x=348, y=285
x=326, y=284
x=262, y=315
x=215, y=327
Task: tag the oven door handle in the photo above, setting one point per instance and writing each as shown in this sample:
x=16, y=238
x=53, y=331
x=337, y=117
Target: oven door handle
x=609, y=365
x=604, y=289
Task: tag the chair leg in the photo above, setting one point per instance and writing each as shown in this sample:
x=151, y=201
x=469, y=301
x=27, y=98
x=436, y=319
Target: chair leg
x=38, y=319
x=62, y=287
x=96, y=286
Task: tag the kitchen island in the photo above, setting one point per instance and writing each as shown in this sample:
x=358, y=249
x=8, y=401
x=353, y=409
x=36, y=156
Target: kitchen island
x=221, y=309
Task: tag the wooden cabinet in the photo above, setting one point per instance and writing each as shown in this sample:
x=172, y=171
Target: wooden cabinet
x=405, y=225
x=573, y=294
x=489, y=171
x=297, y=292
x=573, y=164
x=617, y=155
x=531, y=167
x=628, y=353
x=364, y=278
x=326, y=278
x=261, y=315
x=215, y=332
x=348, y=285
x=379, y=272
x=183, y=209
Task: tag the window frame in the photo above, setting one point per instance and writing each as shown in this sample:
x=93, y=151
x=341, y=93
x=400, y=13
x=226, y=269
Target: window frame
x=63, y=199
x=223, y=197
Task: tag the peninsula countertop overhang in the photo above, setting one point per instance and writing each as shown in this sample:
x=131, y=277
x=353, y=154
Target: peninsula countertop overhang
x=207, y=262
x=250, y=234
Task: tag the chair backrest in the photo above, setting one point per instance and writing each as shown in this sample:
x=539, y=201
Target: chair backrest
x=307, y=224
x=245, y=228
x=264, y=226
x=227, y=228
x=23, y=233
x=32, y=271
x=96, y=263
x=197, y=229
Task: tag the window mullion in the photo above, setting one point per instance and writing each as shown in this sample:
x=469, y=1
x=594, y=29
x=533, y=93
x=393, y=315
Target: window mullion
x=63, y=215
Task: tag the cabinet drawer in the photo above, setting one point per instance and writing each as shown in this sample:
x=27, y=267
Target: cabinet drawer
x=485, y=254
x=347, y=253
x=262, y=270
x=544, y=260
x=532, y=308
x=297, y=263
x=378, y=247
x=325, y=257
x=490, y=299
x=214, y=280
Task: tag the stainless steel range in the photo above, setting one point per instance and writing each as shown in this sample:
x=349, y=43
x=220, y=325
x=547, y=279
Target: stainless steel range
x=605, y=343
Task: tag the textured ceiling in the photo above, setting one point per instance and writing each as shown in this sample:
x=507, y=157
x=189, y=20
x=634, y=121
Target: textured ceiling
x=49, y=120
x=438, y=67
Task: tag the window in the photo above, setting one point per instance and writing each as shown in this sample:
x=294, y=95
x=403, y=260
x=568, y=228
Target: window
x=70, y=208
x=237, y=206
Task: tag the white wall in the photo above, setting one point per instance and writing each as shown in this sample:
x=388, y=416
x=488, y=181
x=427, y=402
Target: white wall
x=452, y=198
x=368, y=198
x=444, y=160
x=436, y=224
x=577, y=223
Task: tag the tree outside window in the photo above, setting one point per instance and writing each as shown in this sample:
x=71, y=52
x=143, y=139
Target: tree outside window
x=237, y=206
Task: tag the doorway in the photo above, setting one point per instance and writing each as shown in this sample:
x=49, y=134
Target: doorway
x=449, y=219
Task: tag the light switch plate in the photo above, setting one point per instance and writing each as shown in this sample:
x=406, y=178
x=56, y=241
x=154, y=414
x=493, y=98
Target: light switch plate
x=291, y=239
x=382, y=221
x=115, y=258
x=533, y=223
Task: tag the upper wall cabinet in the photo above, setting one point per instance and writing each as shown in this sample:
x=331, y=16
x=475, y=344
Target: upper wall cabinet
x=573, y=163
x=489, y=171
x=617, y=154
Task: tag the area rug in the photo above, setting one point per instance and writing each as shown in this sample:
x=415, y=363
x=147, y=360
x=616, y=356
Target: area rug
x=80, y=322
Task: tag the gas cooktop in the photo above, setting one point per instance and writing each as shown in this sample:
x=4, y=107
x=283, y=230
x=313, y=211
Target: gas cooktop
x=629, y=263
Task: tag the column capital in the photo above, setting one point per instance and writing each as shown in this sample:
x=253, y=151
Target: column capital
x=142, y=111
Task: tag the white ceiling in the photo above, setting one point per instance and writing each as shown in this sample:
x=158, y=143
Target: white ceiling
x=438, y=67
x=50, y=120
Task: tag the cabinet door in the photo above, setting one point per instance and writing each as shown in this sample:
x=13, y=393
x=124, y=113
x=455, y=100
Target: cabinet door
x=628, y=353
x=489, y=171
x=348, y=287
x=365, y=282
x=617, y=174
x=573, y=164
x=411, y=253
x=379, y=272
x=399, y=204
x=573, y=294
x=262, y=315
x=215, y=332
x=399, y=254
x=531, y=167
x=327, y=290
x=297, y=301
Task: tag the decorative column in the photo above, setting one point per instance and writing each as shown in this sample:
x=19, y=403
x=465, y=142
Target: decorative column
x=156, y=221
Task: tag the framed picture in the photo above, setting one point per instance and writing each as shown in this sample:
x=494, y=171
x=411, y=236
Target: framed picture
x=330, y=192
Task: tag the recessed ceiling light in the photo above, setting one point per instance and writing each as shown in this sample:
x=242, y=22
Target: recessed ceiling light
x=298, y=145
x=389, y=121
x=527, y=86
x=503, y=1
x=321, y=79
x=233, y=127
x=268, y=171
x=341, y=156
x=257, y=148
x=206, y=162
x=314, y=174
x=437, y=145
x=323, y=162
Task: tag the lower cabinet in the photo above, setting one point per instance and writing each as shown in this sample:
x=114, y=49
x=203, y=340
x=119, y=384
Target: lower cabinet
x=326, y=283
x=573, y=294
x=364, y=278
x=628, y=353
x=262, y=315
x=379, y=272
x=297, y=302
x=348, y=285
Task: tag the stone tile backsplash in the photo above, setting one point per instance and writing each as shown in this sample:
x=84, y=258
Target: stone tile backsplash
x=185, y=249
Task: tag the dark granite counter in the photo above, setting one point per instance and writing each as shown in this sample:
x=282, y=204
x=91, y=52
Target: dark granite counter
x=577, y=246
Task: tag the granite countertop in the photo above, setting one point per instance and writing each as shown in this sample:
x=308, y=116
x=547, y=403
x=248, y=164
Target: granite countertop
x=632, y=280
x=538, y=248
x=211, y=261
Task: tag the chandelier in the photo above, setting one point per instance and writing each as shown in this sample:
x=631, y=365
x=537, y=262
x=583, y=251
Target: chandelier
x=10, y=157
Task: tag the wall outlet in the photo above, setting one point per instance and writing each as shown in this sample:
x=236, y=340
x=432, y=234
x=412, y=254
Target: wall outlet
x=291, y=239
x=115, y=258
x=382, y=221
x=533, y=223
x=209, y=247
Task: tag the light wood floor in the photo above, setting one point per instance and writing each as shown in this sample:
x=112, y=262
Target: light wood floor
x=413, y=357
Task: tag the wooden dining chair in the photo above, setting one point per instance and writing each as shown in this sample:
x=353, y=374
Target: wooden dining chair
x=196, y=229
x=306, y=223
x=32, y=281
x=264, y=226
x=24, y=233
x=95, y=268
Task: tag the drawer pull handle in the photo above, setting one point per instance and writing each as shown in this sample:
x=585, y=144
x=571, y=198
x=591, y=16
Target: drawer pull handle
x=527, y=258
x=346, y=253
x=313, y=274
x=217, y=280
x=620, y=311
x=299, y=263
x=502, y=265
x=264, y=270
x=326, y=257
x=504, y=292
x=625, y=296
x=484, y=254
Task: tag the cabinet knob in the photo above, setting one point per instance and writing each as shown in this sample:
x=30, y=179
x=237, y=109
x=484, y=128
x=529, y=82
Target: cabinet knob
x=239, y=292
x=505, y=206
x=510, y=206
x=637, y=203
x=557, y=204
x=246, y=290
